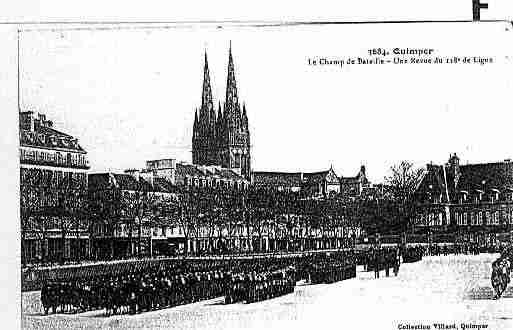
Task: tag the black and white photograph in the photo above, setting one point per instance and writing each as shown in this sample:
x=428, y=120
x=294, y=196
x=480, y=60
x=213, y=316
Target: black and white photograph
x=302, y=173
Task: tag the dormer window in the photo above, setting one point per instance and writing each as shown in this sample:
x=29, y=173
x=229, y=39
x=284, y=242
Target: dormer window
x=494, y=195
x=478, y=196
x=463, y=197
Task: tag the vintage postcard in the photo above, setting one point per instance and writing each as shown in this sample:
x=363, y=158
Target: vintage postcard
x=293, y=174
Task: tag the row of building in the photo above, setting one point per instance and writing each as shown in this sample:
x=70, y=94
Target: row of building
x=67, y=212
x=58, y=193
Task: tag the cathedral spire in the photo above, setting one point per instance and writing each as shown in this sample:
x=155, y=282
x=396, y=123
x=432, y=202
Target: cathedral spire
x=195, y=125
x=231, y=85
x=206, y=96
x=244, y=116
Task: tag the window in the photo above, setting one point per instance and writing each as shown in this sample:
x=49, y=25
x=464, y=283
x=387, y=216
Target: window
x=237, y=160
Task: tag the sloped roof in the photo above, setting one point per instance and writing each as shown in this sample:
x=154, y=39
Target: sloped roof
x=183, y=170
x=434, y=181
x=63, y=140
x=277, y=179
x=229, y=174
x=353, y=179
x=290, y=179
x=122, y=181
x=486, y=176
x=315, y=177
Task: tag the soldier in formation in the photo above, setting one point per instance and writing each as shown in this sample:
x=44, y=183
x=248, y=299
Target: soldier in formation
x=253, y=287
x=379, y=259
x=244, y=279
x=332, y=268
x=132, y=293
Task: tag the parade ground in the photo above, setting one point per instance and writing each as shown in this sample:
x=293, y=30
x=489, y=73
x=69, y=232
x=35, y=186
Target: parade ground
x=430, y=294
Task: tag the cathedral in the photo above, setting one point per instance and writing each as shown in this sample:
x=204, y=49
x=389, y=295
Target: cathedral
x=222, y=139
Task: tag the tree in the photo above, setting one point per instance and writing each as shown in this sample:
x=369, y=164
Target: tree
x=402, y=183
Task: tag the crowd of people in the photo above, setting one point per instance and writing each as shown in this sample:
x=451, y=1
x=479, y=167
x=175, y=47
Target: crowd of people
x=468, y=248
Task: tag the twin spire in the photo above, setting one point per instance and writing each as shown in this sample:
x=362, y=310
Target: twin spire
x=231, y=100
x=215, y=136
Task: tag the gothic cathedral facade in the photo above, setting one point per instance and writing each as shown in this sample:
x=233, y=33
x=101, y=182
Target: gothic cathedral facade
x=222, y=139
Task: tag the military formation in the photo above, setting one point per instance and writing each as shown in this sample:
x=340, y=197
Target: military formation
x=413, y=253
x=254, y=287
x=331, y=268
x=378, y=259
x=132, y=293
x=238, y=280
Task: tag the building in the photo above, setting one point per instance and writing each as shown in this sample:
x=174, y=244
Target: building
x=354, y=186
x=472, y=202
x=281, y=181
x=182, y=174
x=129, y=216
x=309, y=184
x=321, y=184
x=53, y=192
x=137, y=212
x=223, y=139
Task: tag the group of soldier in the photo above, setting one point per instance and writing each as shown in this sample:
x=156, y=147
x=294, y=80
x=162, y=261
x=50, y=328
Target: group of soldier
x=252, y=287
x=382, y=258
x=332, y=269
x=413, y=253
x=468, y=248
x=132, y=293
x=239, y=280
x=472, y=248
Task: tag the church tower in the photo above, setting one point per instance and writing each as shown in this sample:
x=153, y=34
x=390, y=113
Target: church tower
x=224, y=139
x=234, y=146
x=204, y=147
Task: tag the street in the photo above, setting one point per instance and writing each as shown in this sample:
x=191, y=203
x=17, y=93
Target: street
x=437, y=290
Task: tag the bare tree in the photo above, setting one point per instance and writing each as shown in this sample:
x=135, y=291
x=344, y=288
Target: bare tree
x=402, y=183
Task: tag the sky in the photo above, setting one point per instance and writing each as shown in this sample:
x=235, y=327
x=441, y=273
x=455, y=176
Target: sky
x=129, y=94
